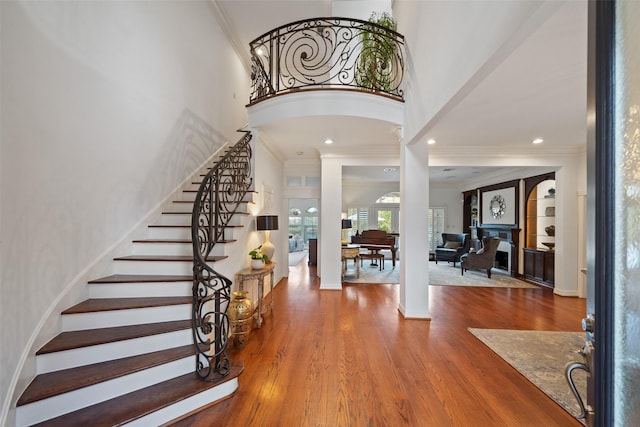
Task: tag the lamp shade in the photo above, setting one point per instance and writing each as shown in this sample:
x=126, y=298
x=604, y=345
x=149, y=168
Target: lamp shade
x=346, y=223
x=267, y=222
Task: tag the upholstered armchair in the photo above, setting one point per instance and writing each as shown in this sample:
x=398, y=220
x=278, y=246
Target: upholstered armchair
x=483, y=259
x=452, y=248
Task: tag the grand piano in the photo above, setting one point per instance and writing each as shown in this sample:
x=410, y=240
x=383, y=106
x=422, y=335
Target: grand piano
x=377, y=240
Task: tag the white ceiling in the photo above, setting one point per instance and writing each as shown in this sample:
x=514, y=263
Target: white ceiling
x=538, y=91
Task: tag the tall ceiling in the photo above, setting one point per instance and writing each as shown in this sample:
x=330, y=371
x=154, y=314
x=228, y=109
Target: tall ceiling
x=539, y=90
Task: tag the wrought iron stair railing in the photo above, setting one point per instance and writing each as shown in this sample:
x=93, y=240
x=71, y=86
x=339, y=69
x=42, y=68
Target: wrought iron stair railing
x=218, y=199
x=327, y=53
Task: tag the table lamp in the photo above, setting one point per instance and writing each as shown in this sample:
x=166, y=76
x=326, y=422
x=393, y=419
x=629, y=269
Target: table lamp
x=267, y=223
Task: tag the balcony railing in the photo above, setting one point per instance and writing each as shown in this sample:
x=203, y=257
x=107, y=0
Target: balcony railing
x=327, y=53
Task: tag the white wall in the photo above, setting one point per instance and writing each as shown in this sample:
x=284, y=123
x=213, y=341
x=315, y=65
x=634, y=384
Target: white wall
x=451, y=199
x=451, y=68
x=106, y=107
x=269, y=201
x=365, y=195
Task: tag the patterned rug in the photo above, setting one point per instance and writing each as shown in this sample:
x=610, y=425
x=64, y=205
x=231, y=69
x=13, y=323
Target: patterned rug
x=442, y=274
x=445, y=274
x=541, y=357
x=372, y=274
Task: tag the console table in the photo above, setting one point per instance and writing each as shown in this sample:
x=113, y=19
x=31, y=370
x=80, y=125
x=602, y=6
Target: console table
x=259, y=275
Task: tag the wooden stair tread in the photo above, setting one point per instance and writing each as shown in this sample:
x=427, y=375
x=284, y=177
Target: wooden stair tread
x=190, y=213
x=128, y=407
x=187, y=226
x=86, y=338
x=52, y=384
x=109, y=304
x=189, y=241
x=176, y=241
x=142, y=278
x=179, y=258
x=191, y=201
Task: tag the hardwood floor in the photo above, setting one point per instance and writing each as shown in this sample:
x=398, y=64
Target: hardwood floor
x=331, y=358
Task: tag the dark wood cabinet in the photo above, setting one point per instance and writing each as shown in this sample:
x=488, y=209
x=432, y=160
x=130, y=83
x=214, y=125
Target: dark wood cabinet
x=313, y=252
x=539, y=266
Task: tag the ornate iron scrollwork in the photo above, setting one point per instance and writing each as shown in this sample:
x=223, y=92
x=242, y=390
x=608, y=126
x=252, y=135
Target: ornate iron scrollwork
x=218, y=199
x=328, y=53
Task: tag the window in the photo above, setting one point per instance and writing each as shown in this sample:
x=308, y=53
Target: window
x=311, y=224
x=359, y=219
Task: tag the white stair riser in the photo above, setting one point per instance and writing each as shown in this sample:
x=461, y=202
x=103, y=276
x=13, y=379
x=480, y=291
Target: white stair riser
x=172, y=249
x=181, y=219
x=185, y=232
x=175, y=219
x=169, y=233
x=99, y=353
x=187, y=196
x=154, y=267
x=71, y=401
x=188, y=405
x=133, y=290
x=157, y=248
x=114, y=318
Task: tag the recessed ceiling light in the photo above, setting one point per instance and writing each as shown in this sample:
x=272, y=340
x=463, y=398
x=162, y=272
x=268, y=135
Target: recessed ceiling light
x=328, y=141
x=537, y=141
x=389, y=169
x=431, y=141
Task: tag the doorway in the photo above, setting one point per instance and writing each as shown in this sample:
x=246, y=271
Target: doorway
x=303, y=226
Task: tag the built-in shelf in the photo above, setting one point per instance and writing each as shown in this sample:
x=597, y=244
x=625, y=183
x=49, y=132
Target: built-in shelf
x=539, y=260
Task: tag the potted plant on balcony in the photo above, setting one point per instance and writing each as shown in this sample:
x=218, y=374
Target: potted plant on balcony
x=257, y=258
x=378, y=52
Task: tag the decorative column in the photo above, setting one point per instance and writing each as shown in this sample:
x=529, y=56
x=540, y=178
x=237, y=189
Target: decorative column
x=329, y=264
x=414, y=232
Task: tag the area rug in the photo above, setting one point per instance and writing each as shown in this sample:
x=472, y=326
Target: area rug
x=442, y=274
x=372, y=274
x=445, y=274
x=296, y=257
x=541, y=357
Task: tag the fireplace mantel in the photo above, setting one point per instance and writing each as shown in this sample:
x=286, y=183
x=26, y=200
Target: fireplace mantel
x=506, y=233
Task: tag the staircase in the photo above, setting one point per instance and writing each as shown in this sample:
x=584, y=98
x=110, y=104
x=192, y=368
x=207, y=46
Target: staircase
x=126, y=355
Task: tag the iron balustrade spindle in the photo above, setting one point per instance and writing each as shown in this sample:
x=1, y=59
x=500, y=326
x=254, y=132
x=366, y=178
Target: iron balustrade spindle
x=327, y=53
x=218, y=199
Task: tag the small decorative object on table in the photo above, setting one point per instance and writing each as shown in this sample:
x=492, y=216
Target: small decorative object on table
x=240, y=314
x=257, y=258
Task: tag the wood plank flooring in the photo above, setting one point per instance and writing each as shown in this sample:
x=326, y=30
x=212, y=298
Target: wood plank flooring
x=349, y=358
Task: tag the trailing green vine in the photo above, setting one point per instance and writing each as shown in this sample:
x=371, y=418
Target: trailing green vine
x=378, y=53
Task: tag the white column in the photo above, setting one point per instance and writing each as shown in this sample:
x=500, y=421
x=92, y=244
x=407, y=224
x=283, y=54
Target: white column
x=567, y=268
x=329, y=259
x=414, y=254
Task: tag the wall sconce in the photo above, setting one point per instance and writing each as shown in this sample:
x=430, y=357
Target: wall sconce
x=267, y=223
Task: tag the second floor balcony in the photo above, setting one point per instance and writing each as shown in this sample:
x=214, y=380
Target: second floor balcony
x=327, y=53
